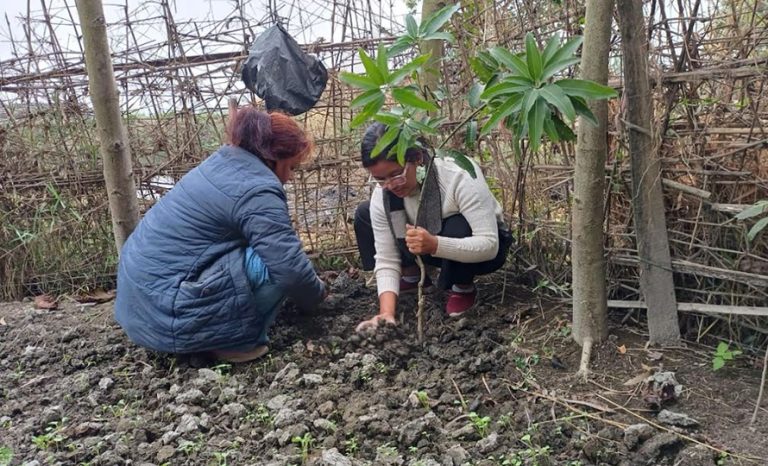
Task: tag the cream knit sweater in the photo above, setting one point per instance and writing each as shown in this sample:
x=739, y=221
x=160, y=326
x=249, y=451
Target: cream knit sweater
x=461, y=194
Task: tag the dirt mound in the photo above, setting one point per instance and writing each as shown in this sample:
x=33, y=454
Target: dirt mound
x=493, y=388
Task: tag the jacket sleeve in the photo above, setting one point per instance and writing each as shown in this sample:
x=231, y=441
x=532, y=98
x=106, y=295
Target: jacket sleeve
x=262, y=214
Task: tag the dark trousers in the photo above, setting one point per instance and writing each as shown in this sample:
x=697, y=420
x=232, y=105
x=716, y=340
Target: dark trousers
x=451, y=272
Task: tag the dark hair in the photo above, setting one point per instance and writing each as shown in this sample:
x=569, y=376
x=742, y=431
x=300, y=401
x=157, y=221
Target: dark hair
x=372, y=135
x=269, y=136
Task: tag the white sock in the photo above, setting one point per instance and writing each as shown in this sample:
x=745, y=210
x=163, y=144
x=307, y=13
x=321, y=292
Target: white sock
x=463, y=289
x=411, y=278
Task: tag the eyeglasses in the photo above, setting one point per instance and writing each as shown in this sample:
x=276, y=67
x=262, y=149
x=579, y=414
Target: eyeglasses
x=393, y=181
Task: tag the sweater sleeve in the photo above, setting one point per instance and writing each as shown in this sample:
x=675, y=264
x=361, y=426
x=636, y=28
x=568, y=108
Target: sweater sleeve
x=478, y=206
x=388, y=266
x=263, y=218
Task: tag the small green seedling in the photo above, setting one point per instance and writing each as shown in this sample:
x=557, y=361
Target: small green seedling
x=52, y=437
x=722, y=354
x=6, y=455
x=305, y=442
x=351, y=446
x=480, y=424
x=423, y=399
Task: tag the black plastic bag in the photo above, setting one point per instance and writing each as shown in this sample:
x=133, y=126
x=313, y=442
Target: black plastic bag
x=279, y=72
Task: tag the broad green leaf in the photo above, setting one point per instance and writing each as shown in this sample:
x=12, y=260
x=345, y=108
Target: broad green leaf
x=586, y=89
x=502, y=111
x=536, y=117
x=510, y=85
x=757, y=228
x=484, y=74
x=511, y=61
x=470, y=139
x=368, y=111
x=556, y=67
x=564, y=131
x=533, y=57
x=551, y=130
x=753, y=210
x=385, y=140
x=402, y=44
x=408, y=98
x=397, y=75
x=446, y=36
x=388, y=119
x=552, y=46
x=559, y=100
x=382, y=61
x=402, y=147
x=473, y=96
x=460, y=159
x=358, y=80
x=581, y=108
x=717, y=363
x=722, y=347
x=566, y=51
x=529, y=99
x=371, y=68
x=411, y=26
x=438, y=19
x=365, y=98
x=419, y=126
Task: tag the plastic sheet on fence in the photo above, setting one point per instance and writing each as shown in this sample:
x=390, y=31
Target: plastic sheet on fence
x=279, y=72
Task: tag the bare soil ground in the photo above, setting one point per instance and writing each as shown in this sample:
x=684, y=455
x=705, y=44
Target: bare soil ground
x=493, y=388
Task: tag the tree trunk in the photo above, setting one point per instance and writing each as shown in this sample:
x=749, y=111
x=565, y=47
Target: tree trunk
x=435, y=47
x=115, y=150
x=656, y=280
x=589, y=290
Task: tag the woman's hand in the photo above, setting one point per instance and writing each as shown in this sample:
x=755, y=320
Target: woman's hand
x=420, y=241
x=373, y=323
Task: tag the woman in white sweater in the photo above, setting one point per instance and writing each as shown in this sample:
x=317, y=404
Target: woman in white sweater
x=461, y=228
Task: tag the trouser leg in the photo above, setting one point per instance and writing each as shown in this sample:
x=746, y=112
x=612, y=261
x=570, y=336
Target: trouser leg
x=364, y=235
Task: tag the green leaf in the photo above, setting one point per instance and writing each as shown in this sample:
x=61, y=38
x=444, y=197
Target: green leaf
x=408, y=98
x=437, y=20
x=470, y=138
x=446, y=36
x=510, y=85
x=400, y=45
x=559, y=100
x=385, y=140
x=411, y=26
x=397, y=75
x=581, y=108
x=722, y=348
x=388, y=119
x=368, y=111
x=557, y=67
x=402, y=147
x=753, y=211
x=717, y=363
x=358, y=80
x=551, y=130
x=382, y=61
x=460, y=159
x=371, y=68
x=529, y=99
x=473, y=96
x=511, y=61
x=419, y=126
x=564, y=131
x=484, y=74
x=586, y=89
x=553, y=45
x=757, y=228
x=566, y=51
x=502, y=111
x=533, y=57
x=536, y=123
x=365, y=98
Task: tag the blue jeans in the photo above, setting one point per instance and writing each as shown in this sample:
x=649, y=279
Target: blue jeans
x=267, y=295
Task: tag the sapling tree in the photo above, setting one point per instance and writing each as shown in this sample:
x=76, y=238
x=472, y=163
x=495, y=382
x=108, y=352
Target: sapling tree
x=525, y=92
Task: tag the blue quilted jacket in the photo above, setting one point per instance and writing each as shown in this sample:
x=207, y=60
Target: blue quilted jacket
x=181, y=283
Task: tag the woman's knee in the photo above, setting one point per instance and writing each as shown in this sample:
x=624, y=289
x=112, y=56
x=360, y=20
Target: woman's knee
x=456, y=226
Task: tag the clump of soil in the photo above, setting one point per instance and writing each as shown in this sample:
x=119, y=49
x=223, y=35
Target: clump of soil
x=493, y=388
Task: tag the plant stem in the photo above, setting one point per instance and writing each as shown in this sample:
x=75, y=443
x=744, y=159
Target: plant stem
x=762, y=387
x=420, y=301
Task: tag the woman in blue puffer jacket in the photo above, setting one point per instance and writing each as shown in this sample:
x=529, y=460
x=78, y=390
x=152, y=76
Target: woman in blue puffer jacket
x=210, y=264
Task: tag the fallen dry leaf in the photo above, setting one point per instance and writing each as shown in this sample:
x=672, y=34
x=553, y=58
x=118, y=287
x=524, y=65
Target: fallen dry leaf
x=45, y=301
x=655, y=356
x=2, y=321
x=622, y=349
x=98, y=296
x=639, y=378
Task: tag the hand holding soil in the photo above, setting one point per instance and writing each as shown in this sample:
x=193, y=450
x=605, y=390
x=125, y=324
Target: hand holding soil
x=374, y=322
